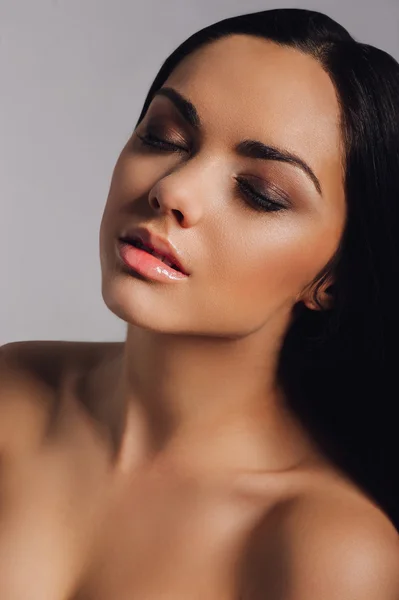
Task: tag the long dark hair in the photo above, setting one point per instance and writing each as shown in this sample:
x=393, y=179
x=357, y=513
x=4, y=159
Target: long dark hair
x=338, y=367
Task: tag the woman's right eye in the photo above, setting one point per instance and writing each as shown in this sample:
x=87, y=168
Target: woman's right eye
x=156, y=143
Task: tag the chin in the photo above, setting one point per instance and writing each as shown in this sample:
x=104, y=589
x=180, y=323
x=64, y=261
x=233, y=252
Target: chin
x=142, y=306
x=140, y=303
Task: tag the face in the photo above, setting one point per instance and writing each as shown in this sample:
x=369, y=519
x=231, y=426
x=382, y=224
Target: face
x=251, y=228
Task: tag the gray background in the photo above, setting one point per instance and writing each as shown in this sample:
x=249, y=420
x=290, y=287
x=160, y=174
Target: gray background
x=73, y=76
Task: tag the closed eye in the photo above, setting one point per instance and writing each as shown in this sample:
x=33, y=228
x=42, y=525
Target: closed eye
x=261, y=200
x=155, y=142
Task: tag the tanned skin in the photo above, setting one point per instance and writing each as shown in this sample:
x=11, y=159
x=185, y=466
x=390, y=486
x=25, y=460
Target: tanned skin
x=168, y=466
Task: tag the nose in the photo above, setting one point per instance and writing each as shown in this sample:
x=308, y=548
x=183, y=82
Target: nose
x=179, y=197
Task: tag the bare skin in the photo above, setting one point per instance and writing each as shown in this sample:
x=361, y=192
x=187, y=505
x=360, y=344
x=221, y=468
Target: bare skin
x=167, y=466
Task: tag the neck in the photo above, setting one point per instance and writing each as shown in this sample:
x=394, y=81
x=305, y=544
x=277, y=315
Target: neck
x=206, y=403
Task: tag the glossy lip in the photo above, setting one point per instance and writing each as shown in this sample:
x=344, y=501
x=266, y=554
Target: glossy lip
x=142, y=262
x=160, y=245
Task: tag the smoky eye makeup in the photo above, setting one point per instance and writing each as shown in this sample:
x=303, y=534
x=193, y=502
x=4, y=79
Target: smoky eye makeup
x=169, y=134
x=164, y=129
x=160, y=135
x=257, y=195
x=163, y=117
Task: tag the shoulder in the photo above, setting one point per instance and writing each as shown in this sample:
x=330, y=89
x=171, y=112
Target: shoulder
x=25, y=395
x=343, y=549
x=32, y=374
x=330, y=547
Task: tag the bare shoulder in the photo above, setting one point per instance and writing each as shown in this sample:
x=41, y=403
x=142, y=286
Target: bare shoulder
x=330, y=545
x=32, y=374
x=49, y=482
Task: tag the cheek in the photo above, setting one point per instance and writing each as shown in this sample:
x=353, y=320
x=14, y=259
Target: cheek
x=274, y=264
x=127, y=183
x=134, y=174
x=124, y=180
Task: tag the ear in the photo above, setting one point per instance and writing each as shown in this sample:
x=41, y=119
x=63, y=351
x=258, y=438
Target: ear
x=324, y=298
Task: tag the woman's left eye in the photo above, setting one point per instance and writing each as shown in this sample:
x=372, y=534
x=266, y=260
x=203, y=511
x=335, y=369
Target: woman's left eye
x=155, y=142
x=261, y=202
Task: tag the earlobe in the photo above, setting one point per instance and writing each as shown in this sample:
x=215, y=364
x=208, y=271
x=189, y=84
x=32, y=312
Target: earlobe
x=324, y=302
x=323, y=299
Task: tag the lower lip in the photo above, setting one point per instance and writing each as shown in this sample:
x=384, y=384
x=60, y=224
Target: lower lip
x=148, y=265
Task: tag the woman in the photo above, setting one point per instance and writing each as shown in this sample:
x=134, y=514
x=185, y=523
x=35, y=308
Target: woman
x=249, y=241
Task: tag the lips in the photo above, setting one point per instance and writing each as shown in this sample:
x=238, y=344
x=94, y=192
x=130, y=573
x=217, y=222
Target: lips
x=163, y=258
x=155, y=245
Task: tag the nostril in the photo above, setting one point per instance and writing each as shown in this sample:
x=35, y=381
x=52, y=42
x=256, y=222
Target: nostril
x=179, y=215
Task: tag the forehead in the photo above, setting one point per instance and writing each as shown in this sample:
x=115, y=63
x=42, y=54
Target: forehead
x=248, y=87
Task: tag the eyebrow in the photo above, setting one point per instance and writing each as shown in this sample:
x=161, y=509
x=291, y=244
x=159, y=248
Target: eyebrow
x=248, y=148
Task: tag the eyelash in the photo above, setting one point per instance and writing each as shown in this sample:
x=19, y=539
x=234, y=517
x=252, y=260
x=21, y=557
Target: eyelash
x=261, y=201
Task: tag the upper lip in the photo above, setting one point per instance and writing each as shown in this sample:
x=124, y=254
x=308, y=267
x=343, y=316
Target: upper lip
x=158, y=244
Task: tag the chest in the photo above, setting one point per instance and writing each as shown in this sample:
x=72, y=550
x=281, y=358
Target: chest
x=83, y=532
x=173, y=540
